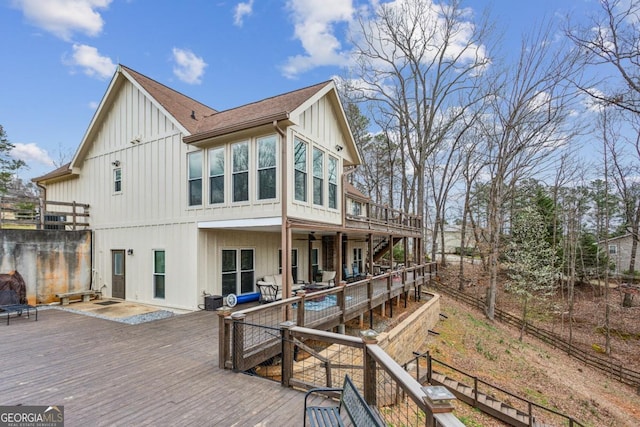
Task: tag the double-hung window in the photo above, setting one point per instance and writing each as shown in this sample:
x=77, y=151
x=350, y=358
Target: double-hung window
x=267, y=168
x=158, y=274
x=300, y=167
x=216, y=175
x=333, y=182
x=195, y=178
x=238, y=271
x=240, y=154
x=318, y=176
x=117, y=180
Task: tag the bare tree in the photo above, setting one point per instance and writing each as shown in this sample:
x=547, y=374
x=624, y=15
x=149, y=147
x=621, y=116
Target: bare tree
x=611, y=42
x=529, y=120
x=416, y=61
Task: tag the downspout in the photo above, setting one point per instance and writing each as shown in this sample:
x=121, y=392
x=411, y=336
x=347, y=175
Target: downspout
x=284, y=230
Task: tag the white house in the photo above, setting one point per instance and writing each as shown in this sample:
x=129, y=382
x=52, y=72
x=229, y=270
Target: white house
x=186, y=200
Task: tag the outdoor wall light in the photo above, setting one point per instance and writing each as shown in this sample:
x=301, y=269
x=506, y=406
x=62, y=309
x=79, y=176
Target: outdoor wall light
x=116, y=163
x=339, y=147
x=129, y=251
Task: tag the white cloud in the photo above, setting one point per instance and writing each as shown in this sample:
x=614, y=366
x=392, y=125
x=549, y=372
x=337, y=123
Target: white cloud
x=314, y=25
x=30, y=153
x=189, y=67
x=91, y=61
x=93, y=105
x=65, y=17
x=242, y=10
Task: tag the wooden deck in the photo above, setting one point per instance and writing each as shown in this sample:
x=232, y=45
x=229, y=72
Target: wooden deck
x=158, y=373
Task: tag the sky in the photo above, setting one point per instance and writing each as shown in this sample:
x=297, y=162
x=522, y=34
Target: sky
x=60, y=55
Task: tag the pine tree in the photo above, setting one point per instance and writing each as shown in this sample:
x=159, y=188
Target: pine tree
x=8, y=165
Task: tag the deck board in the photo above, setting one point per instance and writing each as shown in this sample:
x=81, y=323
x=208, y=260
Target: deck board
x=158, y=373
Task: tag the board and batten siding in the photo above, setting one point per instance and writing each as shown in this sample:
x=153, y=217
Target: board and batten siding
x=318, y=126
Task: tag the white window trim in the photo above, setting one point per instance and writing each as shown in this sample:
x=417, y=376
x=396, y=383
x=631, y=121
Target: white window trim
x=276, y=167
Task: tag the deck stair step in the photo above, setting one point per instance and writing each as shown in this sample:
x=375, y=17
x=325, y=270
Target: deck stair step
x=499, y=409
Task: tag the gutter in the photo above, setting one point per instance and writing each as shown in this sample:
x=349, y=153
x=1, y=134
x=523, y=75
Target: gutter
x=273, y=118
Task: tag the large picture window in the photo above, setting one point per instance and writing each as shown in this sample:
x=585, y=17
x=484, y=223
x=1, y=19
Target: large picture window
x=318, y=176
x=195, y=178
x=300, y=166
x=267, y=168
x=240, y=172
x=216, y=175
x=333, y=182
x=158, y=274
x=238, y=271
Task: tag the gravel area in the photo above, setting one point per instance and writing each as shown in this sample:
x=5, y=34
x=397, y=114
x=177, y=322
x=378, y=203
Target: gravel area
x=129, y=320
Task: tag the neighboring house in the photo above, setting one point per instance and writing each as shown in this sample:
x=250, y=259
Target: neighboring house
x=187, y=200
x=618, y=250
x=452, y=237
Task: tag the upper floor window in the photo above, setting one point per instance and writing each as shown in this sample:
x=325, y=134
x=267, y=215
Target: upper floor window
x=300, y=167
x=356, y=208
x=216, y=175
x=117, y=180
x=195, y=178
x=318, y=176
x=240, y=152
x=613, y=249
x=333, y=182
x=267, y=168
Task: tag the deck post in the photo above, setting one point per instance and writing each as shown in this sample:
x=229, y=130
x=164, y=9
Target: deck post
x=288, y=349
x=369, y=337
x=223, y=337
x=238, y=341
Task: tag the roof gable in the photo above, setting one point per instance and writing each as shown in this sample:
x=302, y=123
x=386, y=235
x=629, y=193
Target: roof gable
x=187, y=111
x=254, y=114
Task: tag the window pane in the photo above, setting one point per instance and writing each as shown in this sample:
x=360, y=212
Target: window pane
x=246, y=281
x=118, y=263
x=158, y=286
x=300, y=156
x=228, y=260
x=301, y=186
x=246, y=259
x=241, y=187
x=317, y=191
x=241, y=157
x=216, y=162
x=216, y=189
x=158, y=262
x=333, y=196
x=267, y=152
x=195, y=192
x=318, y=169
x=229, y=283
x=333, y=170
x=267, y=180
x=195, y=165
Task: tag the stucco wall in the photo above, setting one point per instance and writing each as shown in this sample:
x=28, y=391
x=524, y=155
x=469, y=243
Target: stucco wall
x=50, y=261
x=412, y=333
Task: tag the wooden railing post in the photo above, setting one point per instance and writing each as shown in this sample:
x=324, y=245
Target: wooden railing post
x=73, y=214
x=300, y=309
x=238, y=341
x=288, y=349
x=369, y=337
x=224, y=340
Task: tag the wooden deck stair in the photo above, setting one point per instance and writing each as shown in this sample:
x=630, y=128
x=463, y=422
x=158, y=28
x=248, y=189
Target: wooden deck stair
x=485, y=403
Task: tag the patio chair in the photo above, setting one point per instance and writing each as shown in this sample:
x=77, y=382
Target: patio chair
x=356, y=271
x=346, y=276
x=269, y=292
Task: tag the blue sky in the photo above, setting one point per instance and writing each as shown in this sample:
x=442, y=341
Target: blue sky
x=59, y=55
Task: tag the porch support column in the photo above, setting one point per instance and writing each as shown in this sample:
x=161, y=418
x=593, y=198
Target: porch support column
x=285, y=232
x=370, y=253
x=338, y=251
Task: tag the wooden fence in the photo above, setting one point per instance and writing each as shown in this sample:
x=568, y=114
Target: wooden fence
x=25, y=212
x=613, y=368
